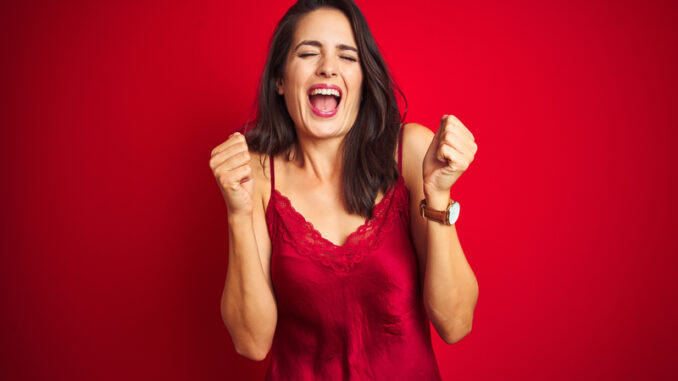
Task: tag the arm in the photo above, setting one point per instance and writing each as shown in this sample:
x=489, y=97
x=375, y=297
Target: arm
x=248, y=306
x=430, y=167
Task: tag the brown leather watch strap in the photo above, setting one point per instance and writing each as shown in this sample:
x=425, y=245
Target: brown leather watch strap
x=440, y=216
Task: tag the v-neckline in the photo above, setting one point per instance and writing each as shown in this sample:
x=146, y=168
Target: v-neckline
x=377, y=207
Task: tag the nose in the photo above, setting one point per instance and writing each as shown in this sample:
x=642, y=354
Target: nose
x=327, y=67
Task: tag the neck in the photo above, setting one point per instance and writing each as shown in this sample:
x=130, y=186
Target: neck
x=320, y=159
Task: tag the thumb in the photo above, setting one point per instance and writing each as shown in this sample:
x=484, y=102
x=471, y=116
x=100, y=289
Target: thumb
x=441, y=127
x=436, y=140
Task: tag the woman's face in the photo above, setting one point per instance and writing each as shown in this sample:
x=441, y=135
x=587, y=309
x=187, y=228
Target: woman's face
x=322, y=79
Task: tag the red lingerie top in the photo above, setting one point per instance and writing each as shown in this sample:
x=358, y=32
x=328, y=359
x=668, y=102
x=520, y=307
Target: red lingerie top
x=349, y=312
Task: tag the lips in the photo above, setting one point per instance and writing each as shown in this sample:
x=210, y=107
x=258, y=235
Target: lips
x=324, y=99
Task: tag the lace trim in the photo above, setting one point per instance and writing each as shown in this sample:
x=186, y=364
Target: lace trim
x=295, y=230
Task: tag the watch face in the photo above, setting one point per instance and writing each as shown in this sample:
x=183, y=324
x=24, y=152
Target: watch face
x=453, y=213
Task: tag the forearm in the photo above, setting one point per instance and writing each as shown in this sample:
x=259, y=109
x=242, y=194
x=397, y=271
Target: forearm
x=450, y=287
x=248, y=304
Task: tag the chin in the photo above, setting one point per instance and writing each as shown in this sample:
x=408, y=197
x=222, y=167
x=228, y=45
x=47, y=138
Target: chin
x=323, y=129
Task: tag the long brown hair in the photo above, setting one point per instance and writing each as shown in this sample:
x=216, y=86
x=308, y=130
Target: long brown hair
x=369, y=145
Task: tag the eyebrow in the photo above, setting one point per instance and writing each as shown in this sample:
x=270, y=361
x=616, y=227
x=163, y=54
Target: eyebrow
x=319, y=45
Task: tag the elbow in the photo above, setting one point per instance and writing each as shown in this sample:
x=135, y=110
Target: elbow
x=461, y=326
x=452, y=330
x=246, y=344
x=451, y=327
x=455, y=334
x=248, y=347
x=252, y=353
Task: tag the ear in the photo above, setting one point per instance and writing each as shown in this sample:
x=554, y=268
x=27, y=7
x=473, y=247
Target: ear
x=279, y=86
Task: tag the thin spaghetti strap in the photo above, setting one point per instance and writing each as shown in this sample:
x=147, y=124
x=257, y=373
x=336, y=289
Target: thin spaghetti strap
x=400, y=150
x=270, y=159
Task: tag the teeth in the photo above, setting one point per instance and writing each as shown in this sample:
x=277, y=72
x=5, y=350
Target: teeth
x=333, y=92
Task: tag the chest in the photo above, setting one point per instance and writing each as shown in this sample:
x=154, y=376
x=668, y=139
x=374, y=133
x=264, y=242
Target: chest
x=374, y=274
x=324, y=210
x=377, y=263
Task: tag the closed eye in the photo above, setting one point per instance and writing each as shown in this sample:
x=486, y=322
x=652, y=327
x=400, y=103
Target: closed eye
x=307, y=54
x=349, y=58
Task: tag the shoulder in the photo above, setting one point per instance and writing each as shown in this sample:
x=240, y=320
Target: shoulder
x=416, y=135
x=416, y=140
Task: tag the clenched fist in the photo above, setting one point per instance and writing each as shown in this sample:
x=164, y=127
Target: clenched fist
x=230, y=164
x=451, y=152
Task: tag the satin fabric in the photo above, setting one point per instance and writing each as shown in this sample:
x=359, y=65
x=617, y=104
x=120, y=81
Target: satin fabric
x=349, y=312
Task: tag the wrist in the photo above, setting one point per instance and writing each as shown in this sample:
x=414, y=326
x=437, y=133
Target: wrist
x=446, y=216
x=239, y=219
x=437, y=200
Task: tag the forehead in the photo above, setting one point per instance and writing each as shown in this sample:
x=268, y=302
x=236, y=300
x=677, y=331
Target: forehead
x=327, y=26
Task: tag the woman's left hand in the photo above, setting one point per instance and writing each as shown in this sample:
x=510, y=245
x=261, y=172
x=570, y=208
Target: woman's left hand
x=451, y=152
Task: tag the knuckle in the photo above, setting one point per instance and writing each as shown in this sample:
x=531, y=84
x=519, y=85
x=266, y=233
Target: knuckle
x=216, y=170
x=221, y=180
x=220, y=175
x=225, y=176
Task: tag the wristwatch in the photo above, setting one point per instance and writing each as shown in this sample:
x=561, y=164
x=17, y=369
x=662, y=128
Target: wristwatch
x=446, y=217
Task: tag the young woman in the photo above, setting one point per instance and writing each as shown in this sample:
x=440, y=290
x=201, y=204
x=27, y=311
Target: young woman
x=333, y=267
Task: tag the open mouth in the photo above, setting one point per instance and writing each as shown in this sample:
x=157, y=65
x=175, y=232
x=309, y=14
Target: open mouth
x=324, y=99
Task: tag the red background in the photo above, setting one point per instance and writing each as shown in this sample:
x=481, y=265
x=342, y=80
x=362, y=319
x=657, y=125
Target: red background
x=114, y=231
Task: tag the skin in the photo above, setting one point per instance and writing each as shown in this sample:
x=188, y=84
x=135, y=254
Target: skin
x=322, y=54
x=431, y=165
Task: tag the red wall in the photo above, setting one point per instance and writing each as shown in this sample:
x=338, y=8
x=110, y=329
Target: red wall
x=113, y=246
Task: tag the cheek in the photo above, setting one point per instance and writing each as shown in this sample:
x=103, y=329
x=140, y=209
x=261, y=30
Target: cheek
x=293, y=104
x=357, y=83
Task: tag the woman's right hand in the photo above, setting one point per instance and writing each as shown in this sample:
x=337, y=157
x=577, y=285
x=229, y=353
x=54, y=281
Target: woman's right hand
x=230, y=164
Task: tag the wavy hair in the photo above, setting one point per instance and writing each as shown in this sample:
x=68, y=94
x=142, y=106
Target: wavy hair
x=369, y=146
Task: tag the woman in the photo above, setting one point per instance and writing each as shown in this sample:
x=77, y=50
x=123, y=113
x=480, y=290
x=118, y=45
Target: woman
x=331, y=265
